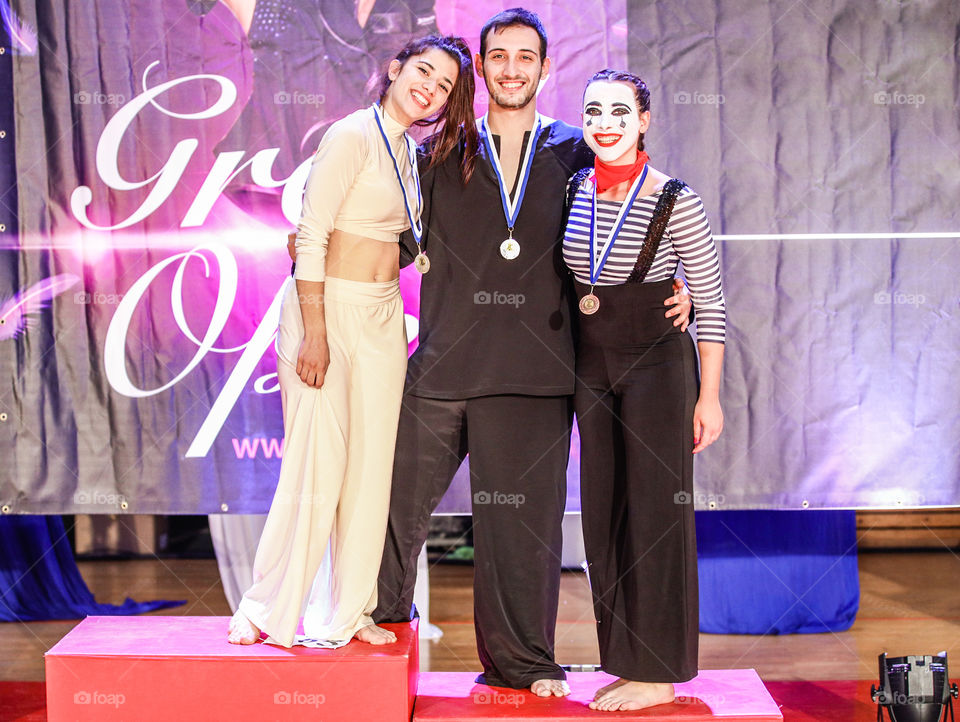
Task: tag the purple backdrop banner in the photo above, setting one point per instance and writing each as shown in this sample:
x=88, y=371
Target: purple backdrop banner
x=161, y=151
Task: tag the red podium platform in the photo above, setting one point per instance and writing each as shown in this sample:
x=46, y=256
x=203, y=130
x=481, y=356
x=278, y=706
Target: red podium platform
x=183, y=668
x=736, y=694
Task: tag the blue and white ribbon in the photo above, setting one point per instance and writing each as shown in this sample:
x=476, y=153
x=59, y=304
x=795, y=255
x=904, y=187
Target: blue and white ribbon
x=596, y=265
x=416, y=224
x=511, y=206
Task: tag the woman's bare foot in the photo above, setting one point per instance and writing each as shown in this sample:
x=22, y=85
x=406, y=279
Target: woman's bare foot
x=633, y=695
x=548, y=687
x=242, y=630
x=613, y=685
x=372, y=634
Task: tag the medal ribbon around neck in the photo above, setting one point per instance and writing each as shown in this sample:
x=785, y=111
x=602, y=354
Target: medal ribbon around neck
x=596, y=266
x=416, y=225
x=511, y=207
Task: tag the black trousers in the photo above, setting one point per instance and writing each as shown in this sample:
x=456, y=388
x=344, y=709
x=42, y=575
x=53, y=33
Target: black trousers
x=637, y=386
x=519, y=446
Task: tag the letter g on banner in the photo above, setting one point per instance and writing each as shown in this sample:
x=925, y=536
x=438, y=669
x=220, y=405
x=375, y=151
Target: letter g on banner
x=167, y=178
x=114, y=348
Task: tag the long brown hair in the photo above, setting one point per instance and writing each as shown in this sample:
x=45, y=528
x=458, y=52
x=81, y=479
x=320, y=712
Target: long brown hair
x=457, y=113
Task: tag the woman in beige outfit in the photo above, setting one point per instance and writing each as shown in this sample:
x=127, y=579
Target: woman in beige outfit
x=342, y=355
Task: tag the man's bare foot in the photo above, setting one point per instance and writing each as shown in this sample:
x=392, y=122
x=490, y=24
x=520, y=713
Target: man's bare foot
x=613, y=685
x=548, y=687
x=634, y=695
x=242, y=630
x=372, y=634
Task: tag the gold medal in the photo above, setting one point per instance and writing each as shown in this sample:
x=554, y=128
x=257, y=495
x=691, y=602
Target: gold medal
x=421, y=263
x=589, y=304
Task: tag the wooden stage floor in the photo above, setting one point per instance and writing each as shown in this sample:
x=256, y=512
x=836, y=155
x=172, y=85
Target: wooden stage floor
x=908, y=606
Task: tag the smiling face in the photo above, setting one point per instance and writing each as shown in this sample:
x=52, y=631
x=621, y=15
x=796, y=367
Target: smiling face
x=512, y=67
x=420, y=86
x=612, y=123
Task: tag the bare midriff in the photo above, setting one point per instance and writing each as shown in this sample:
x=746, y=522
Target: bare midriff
x=357, y=258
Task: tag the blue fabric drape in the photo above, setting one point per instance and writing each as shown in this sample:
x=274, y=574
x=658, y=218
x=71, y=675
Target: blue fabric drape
x=777, y=572
x=39, y=578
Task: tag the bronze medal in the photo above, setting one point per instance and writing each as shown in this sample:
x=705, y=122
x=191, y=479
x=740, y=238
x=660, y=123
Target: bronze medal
x=589, y=304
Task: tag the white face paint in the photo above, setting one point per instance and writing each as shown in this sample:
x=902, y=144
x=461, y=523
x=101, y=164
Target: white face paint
x=611, y=121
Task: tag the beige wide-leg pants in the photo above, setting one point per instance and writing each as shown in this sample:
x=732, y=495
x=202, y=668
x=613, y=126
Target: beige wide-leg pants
x=320, y=551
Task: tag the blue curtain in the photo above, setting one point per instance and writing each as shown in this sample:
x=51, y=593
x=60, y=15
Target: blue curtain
x=39, y=579
x=777, y=572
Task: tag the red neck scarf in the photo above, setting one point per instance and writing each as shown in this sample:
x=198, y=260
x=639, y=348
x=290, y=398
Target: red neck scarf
x=606, y=176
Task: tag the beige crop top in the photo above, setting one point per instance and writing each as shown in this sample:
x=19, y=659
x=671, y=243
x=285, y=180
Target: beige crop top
x=352, y=187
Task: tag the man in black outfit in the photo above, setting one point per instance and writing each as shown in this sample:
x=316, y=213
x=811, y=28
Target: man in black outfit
x=494, y=371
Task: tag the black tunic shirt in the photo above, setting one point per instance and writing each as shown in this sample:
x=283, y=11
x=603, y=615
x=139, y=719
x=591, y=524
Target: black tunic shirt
x=489, y=325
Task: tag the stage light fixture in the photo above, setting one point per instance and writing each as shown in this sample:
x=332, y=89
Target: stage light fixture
x=915, y=688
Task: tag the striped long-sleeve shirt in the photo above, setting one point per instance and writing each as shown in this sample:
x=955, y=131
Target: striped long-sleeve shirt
x=687, y=240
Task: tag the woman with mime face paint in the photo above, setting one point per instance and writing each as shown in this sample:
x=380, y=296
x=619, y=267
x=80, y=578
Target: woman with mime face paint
x=639, y=410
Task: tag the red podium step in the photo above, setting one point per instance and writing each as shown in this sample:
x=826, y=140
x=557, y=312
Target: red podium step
x=183, y=668
x=729, y=695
